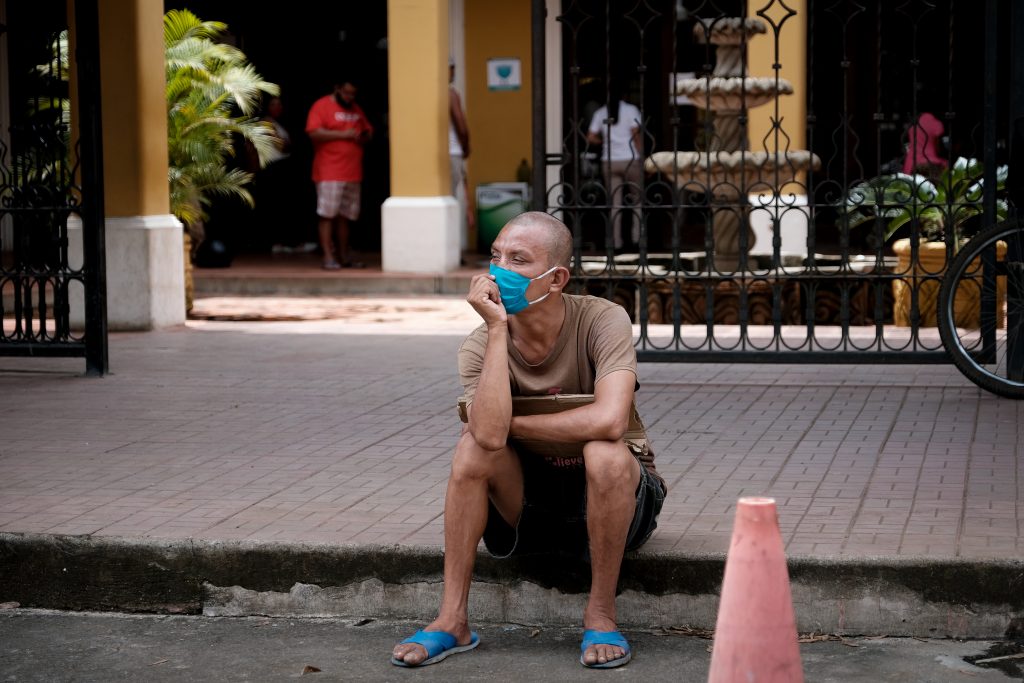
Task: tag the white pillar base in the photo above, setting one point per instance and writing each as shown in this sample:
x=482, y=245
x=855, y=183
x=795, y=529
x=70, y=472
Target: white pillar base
x=420, y=234
x=145, y=272
x=793, y=216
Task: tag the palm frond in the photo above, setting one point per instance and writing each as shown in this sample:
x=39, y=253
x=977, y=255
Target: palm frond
x=182, y=24
x=207, y=82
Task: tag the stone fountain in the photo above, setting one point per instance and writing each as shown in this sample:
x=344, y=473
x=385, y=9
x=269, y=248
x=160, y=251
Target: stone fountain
x=728, y=171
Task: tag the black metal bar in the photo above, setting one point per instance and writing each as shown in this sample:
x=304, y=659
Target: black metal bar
x=92, y=211
x=538, y=18
x=48, y=350
x=991, y=107
x=1015, y=192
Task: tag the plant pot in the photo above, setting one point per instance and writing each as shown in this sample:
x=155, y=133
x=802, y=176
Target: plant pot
x=927, y=276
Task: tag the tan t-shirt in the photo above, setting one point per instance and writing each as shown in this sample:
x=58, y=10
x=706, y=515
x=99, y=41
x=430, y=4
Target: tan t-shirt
x=596, y=339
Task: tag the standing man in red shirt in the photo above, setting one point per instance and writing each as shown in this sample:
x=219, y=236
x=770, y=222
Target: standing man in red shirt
x=339, y=130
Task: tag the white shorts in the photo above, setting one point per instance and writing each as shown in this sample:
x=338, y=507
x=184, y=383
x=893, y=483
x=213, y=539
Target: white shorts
x=337, y=198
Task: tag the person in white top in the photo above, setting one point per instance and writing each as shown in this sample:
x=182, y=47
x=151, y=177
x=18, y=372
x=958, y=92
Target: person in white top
x=458, y=147
x=616, y=127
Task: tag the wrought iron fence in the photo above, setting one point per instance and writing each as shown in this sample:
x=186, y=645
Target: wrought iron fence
x=52, y=292
x=812, y=233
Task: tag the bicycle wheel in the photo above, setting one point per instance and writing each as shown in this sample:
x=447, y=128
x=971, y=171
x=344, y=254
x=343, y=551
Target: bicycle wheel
x=981, y=310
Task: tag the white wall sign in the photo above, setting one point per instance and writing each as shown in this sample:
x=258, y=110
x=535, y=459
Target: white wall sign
x=504, y=74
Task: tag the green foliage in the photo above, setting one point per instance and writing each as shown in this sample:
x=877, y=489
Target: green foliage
x=941, y=207
x=55, y=70
x=43, y=163
x=213, y=94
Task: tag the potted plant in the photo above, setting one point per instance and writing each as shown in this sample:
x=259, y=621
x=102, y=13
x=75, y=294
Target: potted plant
x=939, y=213
x=213, y=95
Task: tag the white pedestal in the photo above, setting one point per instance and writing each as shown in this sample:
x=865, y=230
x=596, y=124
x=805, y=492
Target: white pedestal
x=145, y=272
x=793, y=216
x=420, y=234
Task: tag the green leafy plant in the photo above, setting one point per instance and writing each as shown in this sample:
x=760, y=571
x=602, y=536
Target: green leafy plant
x=942, y=206
x=213, y=95
x=43, y=163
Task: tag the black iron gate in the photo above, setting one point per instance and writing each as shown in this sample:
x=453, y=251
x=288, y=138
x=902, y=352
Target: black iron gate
x=51, y=305
x=822, y=237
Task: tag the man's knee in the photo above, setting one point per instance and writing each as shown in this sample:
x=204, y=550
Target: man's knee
x=609, y=465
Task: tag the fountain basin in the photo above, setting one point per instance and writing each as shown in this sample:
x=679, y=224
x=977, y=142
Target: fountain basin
x=741, y=170
x=731, y=93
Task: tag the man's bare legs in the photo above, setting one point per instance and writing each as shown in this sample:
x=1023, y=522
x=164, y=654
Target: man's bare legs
x=612, y=477
x=341, y=232
x=325, y=229
x=477, y=474
x=334, y=233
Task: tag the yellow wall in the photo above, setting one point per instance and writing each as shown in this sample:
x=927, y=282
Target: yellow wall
x=134, y=108
x=499, y=120
x=418, y=93
x=792, y=57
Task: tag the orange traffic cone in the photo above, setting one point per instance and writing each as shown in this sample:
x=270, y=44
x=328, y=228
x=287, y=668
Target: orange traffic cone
x=755, y=636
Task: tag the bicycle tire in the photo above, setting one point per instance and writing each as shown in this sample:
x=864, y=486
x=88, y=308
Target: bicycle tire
x=977, y=316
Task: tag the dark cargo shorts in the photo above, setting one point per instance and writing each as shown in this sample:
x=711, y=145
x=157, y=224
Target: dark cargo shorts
x=554, y=516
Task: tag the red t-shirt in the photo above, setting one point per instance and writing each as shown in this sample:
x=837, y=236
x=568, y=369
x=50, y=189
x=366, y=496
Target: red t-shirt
x=337, y=159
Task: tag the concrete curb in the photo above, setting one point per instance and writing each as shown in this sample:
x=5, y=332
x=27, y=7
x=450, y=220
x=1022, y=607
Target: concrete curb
x=862, y=596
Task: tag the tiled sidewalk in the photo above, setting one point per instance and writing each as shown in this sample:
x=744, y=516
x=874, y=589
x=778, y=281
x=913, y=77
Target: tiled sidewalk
x=340, y=432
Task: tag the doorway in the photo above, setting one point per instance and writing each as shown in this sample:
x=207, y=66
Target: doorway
x=303, y=56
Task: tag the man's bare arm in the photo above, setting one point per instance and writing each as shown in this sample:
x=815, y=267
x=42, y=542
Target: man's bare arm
x=606, y=419
x=326, y=135
x=490, y=414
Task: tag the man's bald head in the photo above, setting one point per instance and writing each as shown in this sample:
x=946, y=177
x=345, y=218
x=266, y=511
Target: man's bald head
x=556, y=236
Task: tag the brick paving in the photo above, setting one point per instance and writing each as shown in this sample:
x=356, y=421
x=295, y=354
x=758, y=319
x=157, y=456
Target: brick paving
x=340, y=431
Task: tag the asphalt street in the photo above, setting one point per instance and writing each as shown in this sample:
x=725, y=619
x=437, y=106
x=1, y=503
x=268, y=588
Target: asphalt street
x=50, y=646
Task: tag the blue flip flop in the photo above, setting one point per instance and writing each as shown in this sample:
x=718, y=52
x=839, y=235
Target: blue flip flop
x=605, y=638
x=438, y=644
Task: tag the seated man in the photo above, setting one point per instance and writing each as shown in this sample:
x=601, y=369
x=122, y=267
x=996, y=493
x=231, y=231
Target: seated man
x=536, y=340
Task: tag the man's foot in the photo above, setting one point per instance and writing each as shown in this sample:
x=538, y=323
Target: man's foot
x=352, y=264
x=604, y=650
x=429, y=647
x=331, y=264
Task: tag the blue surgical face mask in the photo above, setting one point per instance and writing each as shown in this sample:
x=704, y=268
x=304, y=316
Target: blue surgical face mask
x=512, y=287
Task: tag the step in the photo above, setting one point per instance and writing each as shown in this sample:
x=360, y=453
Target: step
x=847, y=596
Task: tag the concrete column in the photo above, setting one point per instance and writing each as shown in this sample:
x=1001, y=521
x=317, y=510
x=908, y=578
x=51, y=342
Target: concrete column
x=420, y=221
x=791, y=56
x=789, y=52
x=145, y=262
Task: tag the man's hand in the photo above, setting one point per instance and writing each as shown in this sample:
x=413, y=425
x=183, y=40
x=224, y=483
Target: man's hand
x=486, y=300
